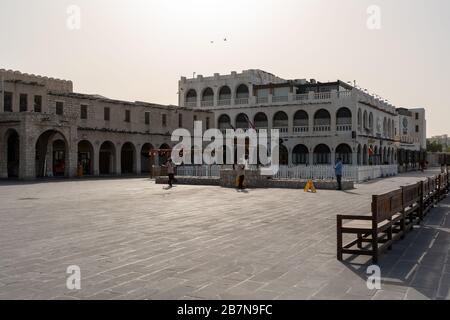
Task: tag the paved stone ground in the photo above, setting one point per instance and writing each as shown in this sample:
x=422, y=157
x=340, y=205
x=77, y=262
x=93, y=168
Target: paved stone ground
x=134, y=240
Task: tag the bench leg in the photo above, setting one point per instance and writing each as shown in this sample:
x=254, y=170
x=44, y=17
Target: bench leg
x=374, y=246
x=359, y=241
x=339, y=239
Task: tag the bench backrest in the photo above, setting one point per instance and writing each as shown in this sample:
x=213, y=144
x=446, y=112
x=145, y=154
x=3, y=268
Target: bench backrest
x=433, y=184
x=412, y=194
x=443, y=180
x=386, y=205
x=426, y=187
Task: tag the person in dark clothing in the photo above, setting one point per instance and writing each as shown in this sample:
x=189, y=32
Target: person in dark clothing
x=170, y=171
x=338, y=171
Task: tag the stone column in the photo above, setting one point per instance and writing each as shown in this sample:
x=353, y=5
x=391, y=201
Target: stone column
x=27, y=150
x=118, y=169
x=138, y=169
x=95, y=157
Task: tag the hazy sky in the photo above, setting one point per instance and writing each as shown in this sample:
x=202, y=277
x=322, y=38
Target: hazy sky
x=138, y=49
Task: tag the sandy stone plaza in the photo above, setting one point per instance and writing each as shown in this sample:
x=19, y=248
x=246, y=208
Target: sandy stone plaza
x=134, y=240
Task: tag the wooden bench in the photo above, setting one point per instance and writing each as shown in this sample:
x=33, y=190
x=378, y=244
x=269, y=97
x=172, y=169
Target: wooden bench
x=377, y=229
x=427, y=198
x=442, y=186
x=412, y=204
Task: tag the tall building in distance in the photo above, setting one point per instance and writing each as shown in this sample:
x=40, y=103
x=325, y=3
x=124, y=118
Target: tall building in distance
x=318, y=121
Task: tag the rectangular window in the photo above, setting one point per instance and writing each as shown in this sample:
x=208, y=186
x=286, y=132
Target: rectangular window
x=417, y=128
x=83, y=112
x=8, y=101
x=417, y=116
x=127, y=115
x=37, y=103
x=195, y=119
x=147, y=118
x=180, y=120
x=164, y=120
x=207, y=123
x=23, y=102
x=106, y=114
x=59, y=108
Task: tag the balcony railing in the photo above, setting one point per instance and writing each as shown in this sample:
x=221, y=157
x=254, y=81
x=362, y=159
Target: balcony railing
x=344, y=127
x=322, y=128
x=297, y=98
x=207, y=103
x=224, y=102
x=301, y=129
x=322, y=96
x=262, y=100
x=276, y=99
x=302, y=97
x=282, y=130
x=240, y=101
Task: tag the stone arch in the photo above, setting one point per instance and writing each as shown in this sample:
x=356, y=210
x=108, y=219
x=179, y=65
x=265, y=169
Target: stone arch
x=322, y=154
x=242, y=91
x=284, y=155
x=224, y=122
x=107, y=158
x=191, y=96
x=344, y=151
x=280, y=120
x=128, y=158
x=241, y=121
x=261, y=121
x=301, y=119
x=208, y=94
x=86, y=157
x=322, y=117
x=52, y=154
x=344, y=116
x=225, y=93
x=12, y=153
x=300, y=154
x=147, y=160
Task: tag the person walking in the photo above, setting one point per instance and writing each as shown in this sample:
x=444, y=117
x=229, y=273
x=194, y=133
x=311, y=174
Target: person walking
x=170, y=171
x=241, y=176
x=338, y=170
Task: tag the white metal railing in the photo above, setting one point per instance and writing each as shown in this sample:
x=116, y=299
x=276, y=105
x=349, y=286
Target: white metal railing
x=224, y=102
x=301, y=129
x=327, y=172
x=191, y=104
x=300, y=172
x=207, y=103
x=282, y=129
x=344, y=94
x=241, y=101
x=322, y=95
x=302, y=97
x=344, y=127
x=276, y=99
x=322, y=128
x=262, y=100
